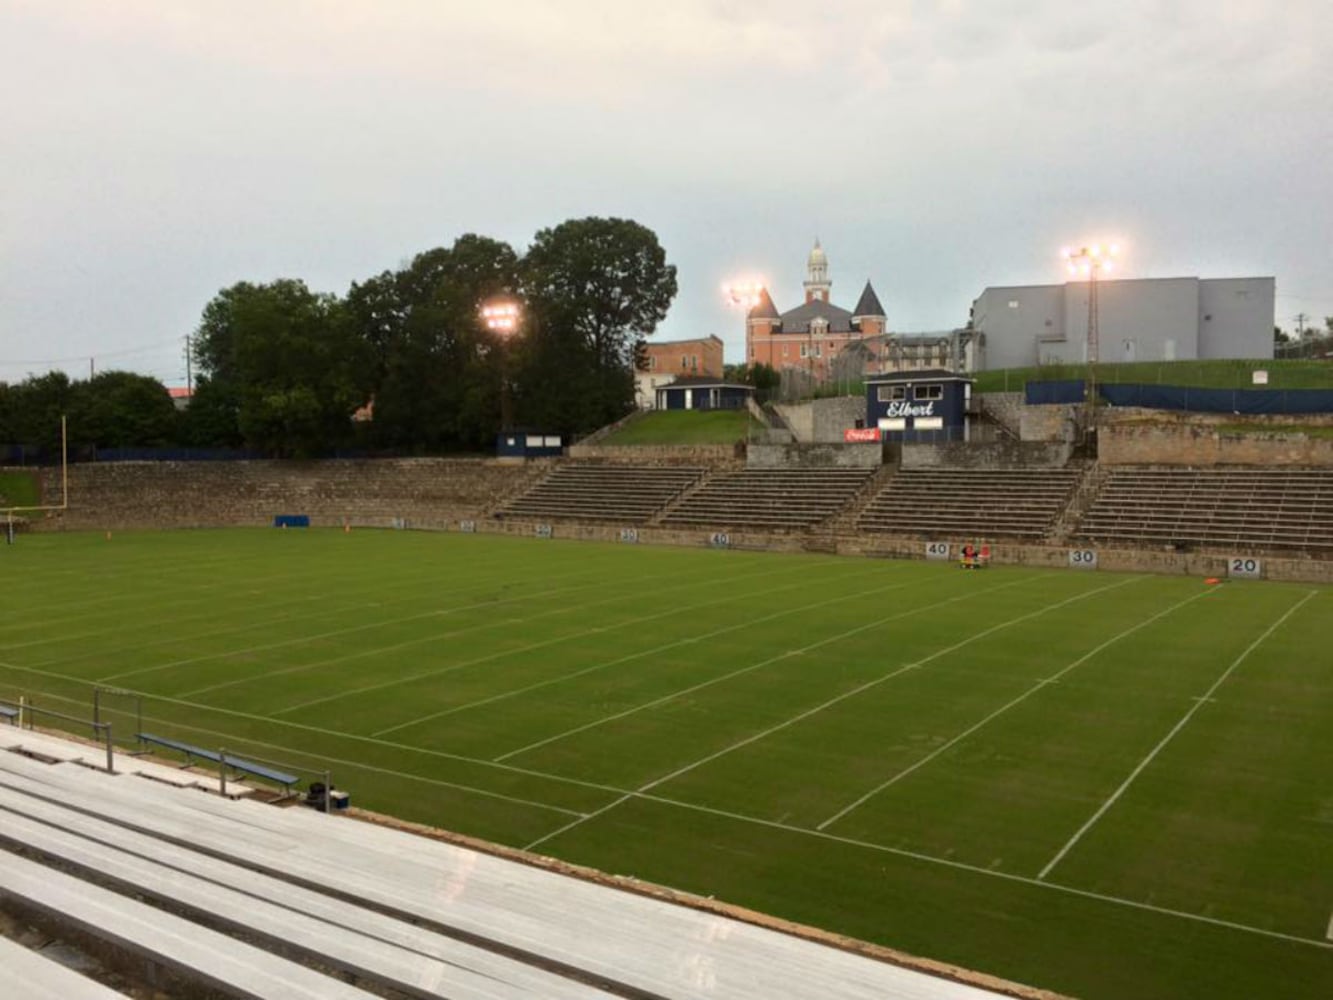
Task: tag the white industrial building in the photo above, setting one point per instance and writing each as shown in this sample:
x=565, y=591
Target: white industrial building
x=1139, y=319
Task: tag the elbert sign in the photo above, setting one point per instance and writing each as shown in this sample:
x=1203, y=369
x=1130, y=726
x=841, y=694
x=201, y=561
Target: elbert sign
x=853, y=434
x=906, y=409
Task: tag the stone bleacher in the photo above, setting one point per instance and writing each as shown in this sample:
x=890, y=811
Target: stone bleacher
x=208, y=494
x=785, y=499
x=239, y=897
x=591, y=491
x=973, y=503
x=1251, y=508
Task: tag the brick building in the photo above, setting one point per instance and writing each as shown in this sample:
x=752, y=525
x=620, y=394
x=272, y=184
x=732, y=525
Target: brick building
x=669, y=359
x=810, y=336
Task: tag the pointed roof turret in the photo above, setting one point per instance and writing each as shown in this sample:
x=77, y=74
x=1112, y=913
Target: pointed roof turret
x=764, y=308
x=868, y=304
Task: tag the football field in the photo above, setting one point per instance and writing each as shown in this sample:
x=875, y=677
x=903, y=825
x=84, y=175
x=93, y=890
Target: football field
x=1107, y=785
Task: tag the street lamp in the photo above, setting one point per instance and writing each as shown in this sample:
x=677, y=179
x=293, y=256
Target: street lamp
x=1091, y=262
x=501, y=317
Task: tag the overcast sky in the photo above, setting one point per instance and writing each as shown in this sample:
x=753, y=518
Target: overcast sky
x=156, y=151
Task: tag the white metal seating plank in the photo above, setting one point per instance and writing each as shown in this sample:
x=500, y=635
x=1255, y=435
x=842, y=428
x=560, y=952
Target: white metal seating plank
x=167, y=939
x=265, y=906
x=27, y=974
x=619, y=935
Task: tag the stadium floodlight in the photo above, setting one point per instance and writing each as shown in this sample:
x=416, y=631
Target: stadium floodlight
x=502, y=317
x=745, y=293
x=1091, y=261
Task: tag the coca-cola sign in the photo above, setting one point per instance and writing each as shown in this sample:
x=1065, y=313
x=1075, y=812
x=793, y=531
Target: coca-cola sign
x=853, y=434
x=906, y=409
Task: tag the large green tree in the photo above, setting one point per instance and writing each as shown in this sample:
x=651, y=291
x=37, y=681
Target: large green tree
x=595, y=288
x=287, y=362
x=30, y=411
x=117, y=409
x=437, y=369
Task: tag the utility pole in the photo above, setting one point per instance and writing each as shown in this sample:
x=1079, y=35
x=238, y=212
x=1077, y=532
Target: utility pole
x=91, y=368
x=189, y=367
x=1300, y=325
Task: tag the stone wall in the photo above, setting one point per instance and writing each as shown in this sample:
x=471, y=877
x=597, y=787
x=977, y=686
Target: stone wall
x=1201, y=564
x=860, y=455
x=999, y=454
x=1202, y=443
x=1052, y=422
x=439, y=493
x=200, y=494
x=822, y=421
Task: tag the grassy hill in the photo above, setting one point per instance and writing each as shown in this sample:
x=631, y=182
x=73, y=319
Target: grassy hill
x=1294, y=373
x=683, y=427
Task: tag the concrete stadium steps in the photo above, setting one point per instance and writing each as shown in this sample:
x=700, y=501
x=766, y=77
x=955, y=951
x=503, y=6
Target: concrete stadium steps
x=768, y=499
x=1016, y=503
x=1253, y=508
x=370, y=492
x=291, y=903
x=589, y=491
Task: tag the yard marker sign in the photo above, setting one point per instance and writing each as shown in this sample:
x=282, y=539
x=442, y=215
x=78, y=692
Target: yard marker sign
x=1245, y=568
x=542, y=531
x=719, y=540
x=630, y=536
x=937, y=550
x=1082, y=558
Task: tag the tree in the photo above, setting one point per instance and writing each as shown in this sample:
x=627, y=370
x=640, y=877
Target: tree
x=115, y=409
x=437, y=370
x=595, y=287
x=31, y=411
x=287, y=362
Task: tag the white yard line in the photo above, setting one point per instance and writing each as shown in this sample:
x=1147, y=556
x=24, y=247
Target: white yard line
x=264, y=647
x=488, y=658
x=1002, y=709
x=378, y=589
x=860, y=689
x=688, y=806
x=785, y=612
x=1152, y=755
x=963, y=866
x=747, y=669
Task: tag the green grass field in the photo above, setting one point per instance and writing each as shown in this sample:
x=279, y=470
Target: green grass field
x=683, y=427
x=1108, y=785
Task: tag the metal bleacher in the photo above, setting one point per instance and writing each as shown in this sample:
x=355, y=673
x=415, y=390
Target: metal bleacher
x=287, y=902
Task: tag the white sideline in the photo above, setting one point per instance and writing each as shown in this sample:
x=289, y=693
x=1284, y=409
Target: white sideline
x=1198, y=704
x=450, y=667
x=745, y=670
x=710, y=810
x=832, y=701
x=1002, y=709
x=633, y=656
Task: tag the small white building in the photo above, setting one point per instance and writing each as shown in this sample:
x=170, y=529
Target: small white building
x=1138, y=319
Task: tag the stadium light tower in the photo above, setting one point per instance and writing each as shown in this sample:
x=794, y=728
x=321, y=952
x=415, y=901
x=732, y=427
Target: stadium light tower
x=744, y=294
x=502, y=317
x=1091, y=263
